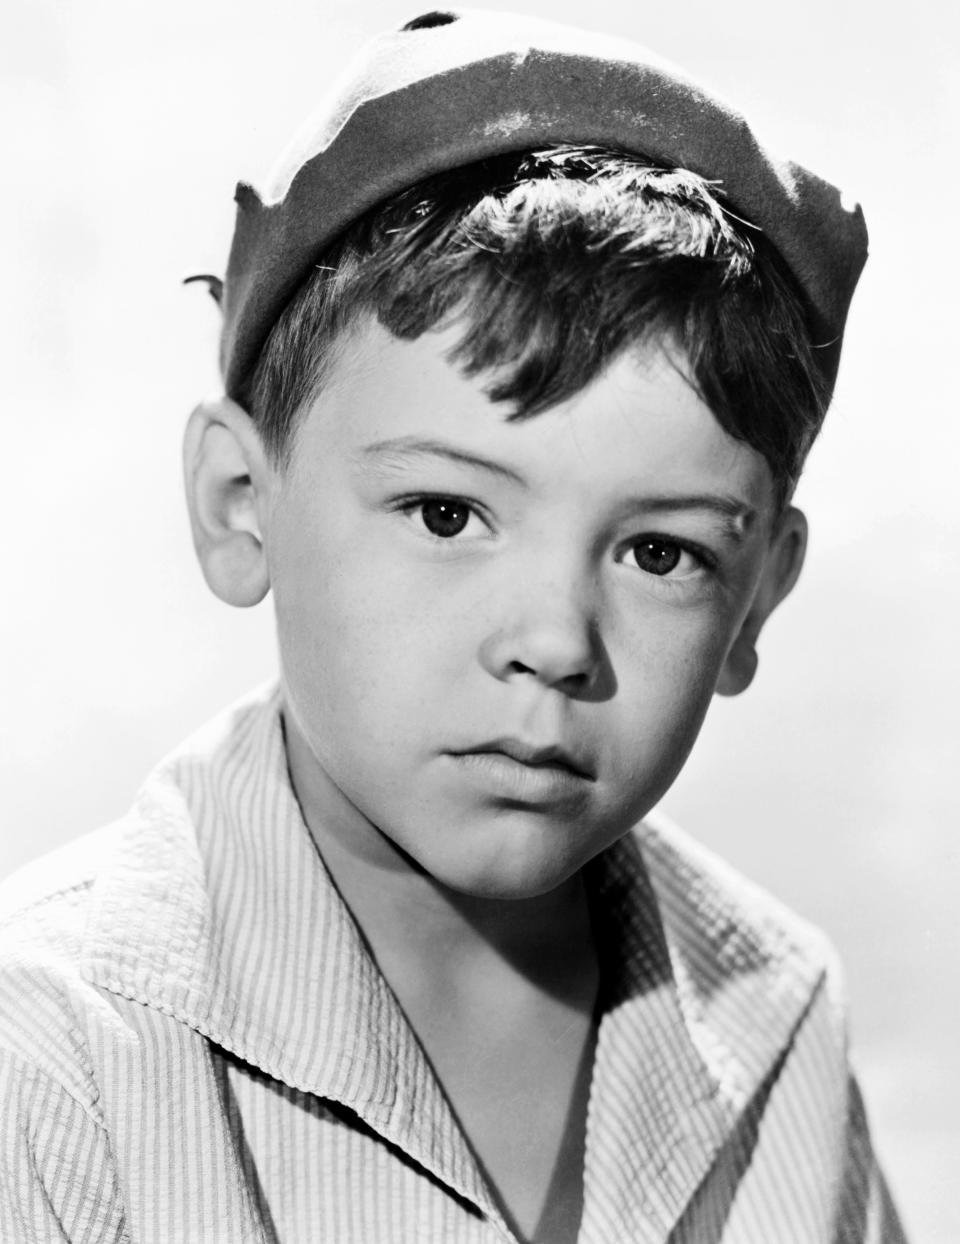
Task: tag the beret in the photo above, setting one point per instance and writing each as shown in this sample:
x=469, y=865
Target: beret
x=454, y=87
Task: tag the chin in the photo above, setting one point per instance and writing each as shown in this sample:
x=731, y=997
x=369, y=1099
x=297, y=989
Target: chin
x=507, y=873
x=510, y=889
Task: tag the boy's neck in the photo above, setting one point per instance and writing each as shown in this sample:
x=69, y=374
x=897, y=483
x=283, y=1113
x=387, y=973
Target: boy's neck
x=403, y=911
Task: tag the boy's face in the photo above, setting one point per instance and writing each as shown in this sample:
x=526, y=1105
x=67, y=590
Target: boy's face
x=498, y=639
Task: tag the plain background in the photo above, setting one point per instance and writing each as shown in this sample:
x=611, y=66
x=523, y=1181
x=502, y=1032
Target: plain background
x=833, y=781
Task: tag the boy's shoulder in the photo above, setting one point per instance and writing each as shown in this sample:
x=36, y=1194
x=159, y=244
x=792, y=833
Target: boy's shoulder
x=720, y=926
x=705, y=899
x=45, y=1002
x=68, y=918
x=44, y=904
x=701, y=958
x=47, y=899
x=58, y=879
x=748, y=972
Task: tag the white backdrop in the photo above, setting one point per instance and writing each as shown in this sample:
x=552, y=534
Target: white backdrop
x=125, y=126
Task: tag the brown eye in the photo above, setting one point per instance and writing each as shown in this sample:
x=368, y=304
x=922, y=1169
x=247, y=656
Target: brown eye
x=657, y=557
x=444, y=516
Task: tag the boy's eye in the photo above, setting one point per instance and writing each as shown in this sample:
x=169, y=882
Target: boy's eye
x=444, y=516
x=662, y=557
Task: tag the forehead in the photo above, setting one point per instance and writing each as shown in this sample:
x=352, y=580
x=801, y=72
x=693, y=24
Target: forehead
x=387, y=404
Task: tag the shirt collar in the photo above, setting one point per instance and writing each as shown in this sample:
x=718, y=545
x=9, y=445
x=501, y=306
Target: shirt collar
x=217, y=910
x=704, y=990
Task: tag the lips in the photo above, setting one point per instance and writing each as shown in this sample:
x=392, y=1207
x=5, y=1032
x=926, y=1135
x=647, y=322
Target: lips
x=523, y=772
x=536, y=756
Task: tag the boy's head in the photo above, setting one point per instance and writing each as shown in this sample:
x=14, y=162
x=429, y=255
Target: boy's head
x=514, y=417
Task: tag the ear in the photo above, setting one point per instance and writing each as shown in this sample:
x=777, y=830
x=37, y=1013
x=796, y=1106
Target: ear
x=784, y=561
x=227, y=478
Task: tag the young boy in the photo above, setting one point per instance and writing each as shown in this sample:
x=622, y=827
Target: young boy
x=522, y=355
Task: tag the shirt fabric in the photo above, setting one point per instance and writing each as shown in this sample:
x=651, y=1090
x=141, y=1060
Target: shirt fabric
x=196, y=1046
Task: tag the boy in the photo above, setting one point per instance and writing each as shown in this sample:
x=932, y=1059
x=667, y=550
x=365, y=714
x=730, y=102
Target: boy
x=516, y=399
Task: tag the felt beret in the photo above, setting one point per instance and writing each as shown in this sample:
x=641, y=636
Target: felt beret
x=454, y=87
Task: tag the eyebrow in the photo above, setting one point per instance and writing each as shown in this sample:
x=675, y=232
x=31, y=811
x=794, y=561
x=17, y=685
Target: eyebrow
x=393, y=454
x=721, y=503
x=738, y=517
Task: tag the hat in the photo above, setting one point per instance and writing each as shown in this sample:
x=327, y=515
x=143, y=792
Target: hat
x=454, y=87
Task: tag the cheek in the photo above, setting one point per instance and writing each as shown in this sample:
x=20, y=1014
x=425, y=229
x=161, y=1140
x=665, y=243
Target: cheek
x=364, y=644
x=667, y=674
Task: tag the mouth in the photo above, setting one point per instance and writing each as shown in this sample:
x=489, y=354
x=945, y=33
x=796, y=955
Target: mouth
x=534, y=756
x=524, y=772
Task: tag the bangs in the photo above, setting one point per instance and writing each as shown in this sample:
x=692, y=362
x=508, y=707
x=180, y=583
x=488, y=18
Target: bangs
x=552, y=264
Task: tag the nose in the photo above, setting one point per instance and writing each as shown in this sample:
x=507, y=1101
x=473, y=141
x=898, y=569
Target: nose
x=549, y=633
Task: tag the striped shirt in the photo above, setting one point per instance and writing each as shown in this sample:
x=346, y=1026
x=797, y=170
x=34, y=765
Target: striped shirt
x=196, y=1046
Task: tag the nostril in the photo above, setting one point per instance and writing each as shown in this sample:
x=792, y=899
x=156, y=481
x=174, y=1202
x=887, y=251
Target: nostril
x=428, y=20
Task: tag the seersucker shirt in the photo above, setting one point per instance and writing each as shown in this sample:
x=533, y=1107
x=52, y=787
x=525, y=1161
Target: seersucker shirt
x=196, y=1046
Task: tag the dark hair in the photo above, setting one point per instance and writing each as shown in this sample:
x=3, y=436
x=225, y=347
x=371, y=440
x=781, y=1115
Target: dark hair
x=555, y=261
